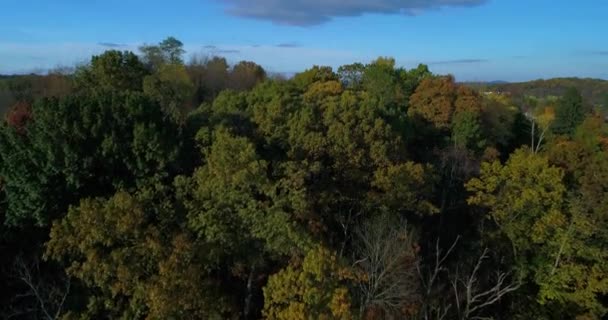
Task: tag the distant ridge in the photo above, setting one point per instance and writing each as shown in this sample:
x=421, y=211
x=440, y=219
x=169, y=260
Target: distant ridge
x=594, y=91
x=485, y=82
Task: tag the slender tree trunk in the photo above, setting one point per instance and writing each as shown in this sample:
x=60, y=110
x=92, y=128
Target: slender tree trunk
x=533, y=127
x=247, y=310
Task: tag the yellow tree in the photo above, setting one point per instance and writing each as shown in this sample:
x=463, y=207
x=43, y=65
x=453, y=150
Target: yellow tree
x=131, y=253
x=544, y=119
x=555, y=239
x=315, y=288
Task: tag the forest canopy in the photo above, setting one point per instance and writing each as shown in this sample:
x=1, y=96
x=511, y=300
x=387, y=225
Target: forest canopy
x=146, y=186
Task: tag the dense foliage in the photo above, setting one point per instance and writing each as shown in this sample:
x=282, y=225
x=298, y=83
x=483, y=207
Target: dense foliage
x=151, y=188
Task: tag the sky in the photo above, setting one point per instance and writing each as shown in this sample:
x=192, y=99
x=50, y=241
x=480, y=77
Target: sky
x=475, y=40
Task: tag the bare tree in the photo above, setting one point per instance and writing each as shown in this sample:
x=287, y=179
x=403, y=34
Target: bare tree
x=435, y=304
x=41, y=298
x=387, y=257
x=470, y=295
x=543, y=124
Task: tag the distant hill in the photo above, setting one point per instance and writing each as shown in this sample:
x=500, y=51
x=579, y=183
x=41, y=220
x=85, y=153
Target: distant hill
x=594, y=91
x=483, y=83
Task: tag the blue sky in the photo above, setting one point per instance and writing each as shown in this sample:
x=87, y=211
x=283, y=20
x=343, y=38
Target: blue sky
x=476, y=40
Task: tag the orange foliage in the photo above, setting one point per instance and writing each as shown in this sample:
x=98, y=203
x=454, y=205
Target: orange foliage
x=19, y=115
x=434, y=100
x=467, y=99
x=438, y=99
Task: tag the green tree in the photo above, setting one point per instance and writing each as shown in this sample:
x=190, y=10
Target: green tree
x=216, y=75
x=570, y=112
x=604, y=106
x=21, y=89
x=351, y=75
x=168, y=51
x=234, y=205
x=553, y=238
x=171, y=87
x=467, y=132
x=86, y=145
x=112, y=70
x=380, y=80
x=173, y=50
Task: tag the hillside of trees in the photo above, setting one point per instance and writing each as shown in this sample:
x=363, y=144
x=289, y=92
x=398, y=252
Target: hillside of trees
x=143, y=186
x=56, y=82
x=594, y=91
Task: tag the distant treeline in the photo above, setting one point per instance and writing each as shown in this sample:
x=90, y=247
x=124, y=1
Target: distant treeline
x=594, y=91
x=202, y=77
x=211, y=74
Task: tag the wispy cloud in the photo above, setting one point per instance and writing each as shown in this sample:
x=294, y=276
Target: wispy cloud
x=314, y=12
x=21, y=58
x=111, y=44
x=459, y=61
x=213, y=49
x=600, y=53
x=579, y=53
x=24, y=57
x=280, y=59
x=288, y=45
x=227, y=51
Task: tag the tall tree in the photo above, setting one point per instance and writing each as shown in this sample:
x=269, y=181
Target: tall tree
x=173, y=50
x=172, y=88
x=570, y=112
x=168, y=51
x=112, y=70
x=245, y=75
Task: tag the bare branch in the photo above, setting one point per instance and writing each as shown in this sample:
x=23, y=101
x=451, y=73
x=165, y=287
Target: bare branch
x=386, y=256
x=476, y=298
x=49, y=298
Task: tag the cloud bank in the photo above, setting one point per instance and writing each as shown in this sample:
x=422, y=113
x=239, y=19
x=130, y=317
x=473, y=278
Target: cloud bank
x=314, y=12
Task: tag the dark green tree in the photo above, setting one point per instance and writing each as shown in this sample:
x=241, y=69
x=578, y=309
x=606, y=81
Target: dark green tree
x=172, y=88
x=80, y=146
x=466, y=131
x=351, y=75
x=173, y=50
x=168, y=51
x=570, y=112
x=112, y=70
